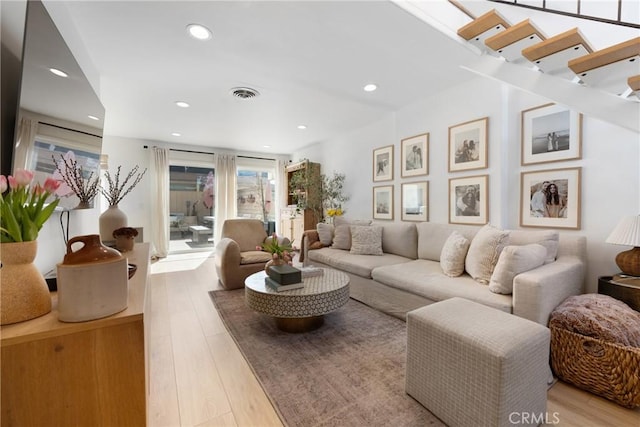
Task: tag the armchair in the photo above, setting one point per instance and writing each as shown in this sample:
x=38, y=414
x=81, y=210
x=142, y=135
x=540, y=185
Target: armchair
x=236, y=255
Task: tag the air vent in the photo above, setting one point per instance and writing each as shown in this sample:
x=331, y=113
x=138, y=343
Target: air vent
x=244, y=92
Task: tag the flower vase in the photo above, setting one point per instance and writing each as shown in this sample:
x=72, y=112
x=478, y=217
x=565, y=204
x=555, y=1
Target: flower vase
x=24, y=294
x=272, y=262
x=110, y=220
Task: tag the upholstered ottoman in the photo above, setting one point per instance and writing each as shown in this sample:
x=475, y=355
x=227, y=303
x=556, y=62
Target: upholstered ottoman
x=472, y=365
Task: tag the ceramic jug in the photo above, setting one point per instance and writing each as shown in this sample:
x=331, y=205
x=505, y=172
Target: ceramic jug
x=92, y=250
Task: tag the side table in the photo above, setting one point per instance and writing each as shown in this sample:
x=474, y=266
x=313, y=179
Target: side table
x=629, y=293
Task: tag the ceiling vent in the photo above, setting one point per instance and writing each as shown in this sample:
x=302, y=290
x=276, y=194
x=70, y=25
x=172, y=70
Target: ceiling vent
x=244, y=92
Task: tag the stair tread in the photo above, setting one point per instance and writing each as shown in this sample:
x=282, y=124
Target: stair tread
x=513, y=34
x=556, y=44
x=634, y=83
x=481, y=24
x=600, y=58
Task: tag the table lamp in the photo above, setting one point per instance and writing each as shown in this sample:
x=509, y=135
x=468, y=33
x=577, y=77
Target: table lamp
x=627, y=233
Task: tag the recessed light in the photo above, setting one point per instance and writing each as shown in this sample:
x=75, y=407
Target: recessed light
x=176, y=134
x=58, y=72
x=93, y=117
x=302, y=127
x=182, y=104
x=266, y=146
x=370, y=87
x=199, y=32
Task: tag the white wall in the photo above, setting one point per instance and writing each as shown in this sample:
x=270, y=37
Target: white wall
x=610, y=163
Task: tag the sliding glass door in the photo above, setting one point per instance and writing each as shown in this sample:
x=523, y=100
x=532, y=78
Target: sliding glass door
x=256, y=191
x=192, y=206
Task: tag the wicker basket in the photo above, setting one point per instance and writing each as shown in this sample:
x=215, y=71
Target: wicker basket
x=606, y=369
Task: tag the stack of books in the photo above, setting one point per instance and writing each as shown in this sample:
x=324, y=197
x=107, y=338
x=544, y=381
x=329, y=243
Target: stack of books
x=283, y=278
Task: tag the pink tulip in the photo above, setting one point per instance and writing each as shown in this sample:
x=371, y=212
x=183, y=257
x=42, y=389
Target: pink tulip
x=38, y=190
x=23, y=177
x=3, y=184
x=51, y=185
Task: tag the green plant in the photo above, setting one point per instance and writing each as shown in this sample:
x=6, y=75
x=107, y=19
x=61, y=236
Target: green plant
x=275, y=247
x=23, y=211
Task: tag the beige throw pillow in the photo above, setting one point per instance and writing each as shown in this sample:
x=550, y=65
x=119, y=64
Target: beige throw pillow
x=453, y=254
x=342, y=233
x=484, y=252
x=547, y=238
x=366, y=240
x=513, y=261
x=325, y=233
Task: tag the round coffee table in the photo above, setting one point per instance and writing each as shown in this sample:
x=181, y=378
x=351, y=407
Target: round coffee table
x=303, y=309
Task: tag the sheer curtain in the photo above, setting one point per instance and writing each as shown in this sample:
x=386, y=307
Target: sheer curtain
x=26, y=136
x=225, y=190
x=160, y=207
x=281, y=190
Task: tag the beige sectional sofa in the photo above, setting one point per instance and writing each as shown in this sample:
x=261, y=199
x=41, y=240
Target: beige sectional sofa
x=408, y=274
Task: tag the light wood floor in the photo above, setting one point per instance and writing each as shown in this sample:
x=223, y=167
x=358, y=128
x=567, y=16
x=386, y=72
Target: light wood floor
x=199, y=378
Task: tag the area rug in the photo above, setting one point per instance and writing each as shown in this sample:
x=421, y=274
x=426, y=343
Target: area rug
x=349, y=372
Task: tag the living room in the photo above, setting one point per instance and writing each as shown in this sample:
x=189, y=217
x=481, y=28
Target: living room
x=609, y=177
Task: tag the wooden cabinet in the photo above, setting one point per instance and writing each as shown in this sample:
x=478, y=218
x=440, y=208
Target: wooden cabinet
x=293, y=223
x=88, y=373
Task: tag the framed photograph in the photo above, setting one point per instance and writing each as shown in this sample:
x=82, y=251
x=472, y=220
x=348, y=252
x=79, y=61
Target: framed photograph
x=469, y=200
x=383, y=163
x=550, y=133
x=415, y=201
x=468, y=145
x=414, y=152
x=550, y=198
x=383, y=202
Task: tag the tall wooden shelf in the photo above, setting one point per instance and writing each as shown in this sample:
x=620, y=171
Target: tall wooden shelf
x=91, y=373
x=293, y=222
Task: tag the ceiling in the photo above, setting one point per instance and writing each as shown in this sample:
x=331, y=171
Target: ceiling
x=309, y=60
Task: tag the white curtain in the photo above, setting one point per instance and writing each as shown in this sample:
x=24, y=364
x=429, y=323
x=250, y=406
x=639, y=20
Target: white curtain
x=24, y=143
x=281, y=190
x=160, y=201
x=226, y=206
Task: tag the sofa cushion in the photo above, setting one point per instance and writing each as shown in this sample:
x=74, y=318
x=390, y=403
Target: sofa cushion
x=432, y=236
x=253, y=257
x=484, y=251
x=360, y=265
x=514, y=260
x=325, y=233
x=366, y=240
x=547, y=238
x=453, y=254
x=342, y=233
x=425, y=278
x=399, y=239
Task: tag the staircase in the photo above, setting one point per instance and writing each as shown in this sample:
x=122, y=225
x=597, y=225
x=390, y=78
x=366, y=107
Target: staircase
x=565, y=67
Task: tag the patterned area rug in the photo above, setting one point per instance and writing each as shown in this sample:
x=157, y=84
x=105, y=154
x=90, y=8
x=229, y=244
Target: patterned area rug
x=349, y=372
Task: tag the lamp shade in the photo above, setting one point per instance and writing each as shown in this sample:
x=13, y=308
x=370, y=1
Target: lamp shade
x=627, y=232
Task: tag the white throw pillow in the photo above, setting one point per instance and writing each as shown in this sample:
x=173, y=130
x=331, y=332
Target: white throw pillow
x=513, y=261
x=547, y=238
x=366, y=240
x=325, y=233
x=484, y=251
x=453, y=254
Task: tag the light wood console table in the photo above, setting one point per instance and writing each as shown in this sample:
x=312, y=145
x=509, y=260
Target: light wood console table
x=83, y=374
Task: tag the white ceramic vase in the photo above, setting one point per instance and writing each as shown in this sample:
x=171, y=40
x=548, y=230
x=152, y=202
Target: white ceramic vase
x=110, y=220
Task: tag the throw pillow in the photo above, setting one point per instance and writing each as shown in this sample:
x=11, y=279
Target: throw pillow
x=453, y=254
x=341, y=237
x=325, y=232
x=342, y=232
x=366, y=240
x=484, y=251
x=514, y=260
x=547, y=238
